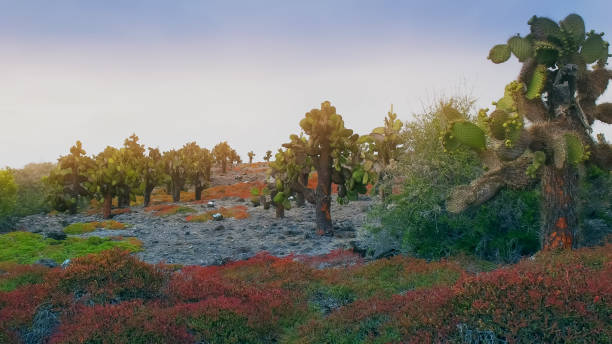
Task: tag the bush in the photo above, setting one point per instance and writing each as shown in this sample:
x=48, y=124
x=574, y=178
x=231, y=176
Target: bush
x=504, y=229
x=27, y=248
x=31, y=191
x=8, y=198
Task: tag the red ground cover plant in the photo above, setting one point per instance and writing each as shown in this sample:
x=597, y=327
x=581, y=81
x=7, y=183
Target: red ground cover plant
x=242, y=190
x=127, y=322
x=238, y=212
x=112, y=275
x=17, y=307
x=167, y=209
x=336, y=258
x=115, y=298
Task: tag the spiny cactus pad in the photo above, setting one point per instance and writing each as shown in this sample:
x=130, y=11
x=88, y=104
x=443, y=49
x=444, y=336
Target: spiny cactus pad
x=496, y=121
x=546, y=53
x=537, y=83
x=573, y=25
x=594, y=48
x=499, y=53
x=468, y=134
x=543, y=28
x=520, y=47
x=575, y=149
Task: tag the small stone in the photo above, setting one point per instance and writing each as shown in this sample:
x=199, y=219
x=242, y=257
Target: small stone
x=66, y=263
x=155, y=242
x=46, y=262
x=219, y=228
x=211, y=204
x=217, y=217
x=187, y=233
x=240, y=200
x=56, y=235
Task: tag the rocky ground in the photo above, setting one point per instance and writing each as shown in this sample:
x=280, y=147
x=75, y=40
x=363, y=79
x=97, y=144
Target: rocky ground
x=174, y=240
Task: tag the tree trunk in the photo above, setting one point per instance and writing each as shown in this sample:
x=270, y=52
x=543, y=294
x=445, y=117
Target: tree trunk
x=123, y=199
x=147, y=195
x=106, y=208
x=176, y=195
x=198, y=192
x=224, y=165
x=300, y=198
x=323, y=193
x=559, y=213
x=177, y=187
x=264, y=201
x=280, y=211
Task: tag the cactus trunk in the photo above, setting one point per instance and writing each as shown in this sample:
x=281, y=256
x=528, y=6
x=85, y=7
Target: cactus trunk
x=280, y=211
x=106, y=208
x=123, y=199
x=198, y=192
x=323, y=192
x=559, y=215
x=147, y=193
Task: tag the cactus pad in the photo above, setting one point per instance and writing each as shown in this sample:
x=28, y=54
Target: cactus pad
x=520, y=47
x=594, y=48
x=496, y=121
x=573, y=25
x=537, y=83
x=469, y=134
x=546, y=53
x=575, y=149
x=499, y=53
x=544, y=28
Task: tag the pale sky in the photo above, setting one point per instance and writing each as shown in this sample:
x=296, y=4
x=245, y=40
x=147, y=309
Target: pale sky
x=245, y=72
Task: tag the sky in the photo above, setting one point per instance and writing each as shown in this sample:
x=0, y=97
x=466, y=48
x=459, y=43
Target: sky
x=245, y=72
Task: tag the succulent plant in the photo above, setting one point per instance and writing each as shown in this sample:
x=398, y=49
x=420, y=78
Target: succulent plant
x=198, y=164
x=222, y=154
x=268, y=156
x=175, y=164
x=153, y=173
x=68, y=181
x=106, y=176
x=251, y=156
x=541, y=128
x=334, y=153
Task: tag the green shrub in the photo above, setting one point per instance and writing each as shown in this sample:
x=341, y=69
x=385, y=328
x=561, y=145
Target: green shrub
x=8, y=198
x=27, y=248
x=503, y=230
x=31, y=192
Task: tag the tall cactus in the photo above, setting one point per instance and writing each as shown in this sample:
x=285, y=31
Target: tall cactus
x=153, y=173
x=198, y=163
x=175, y=164
x=105, y=177
x=68, y=180
x=541, y=127
x=331, y=147
x=381, y=148
x=251, y=156
x=132, y=159
x=268, y=156
x=222, y=153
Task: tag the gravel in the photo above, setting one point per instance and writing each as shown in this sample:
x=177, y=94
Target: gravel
x=174, y=240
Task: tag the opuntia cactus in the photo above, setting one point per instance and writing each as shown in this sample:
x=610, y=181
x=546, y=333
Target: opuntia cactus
x=198, y=164
x=251, y=156
x=562, y=77
x=268, y=156
x=67, y=181
x=153, y=173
